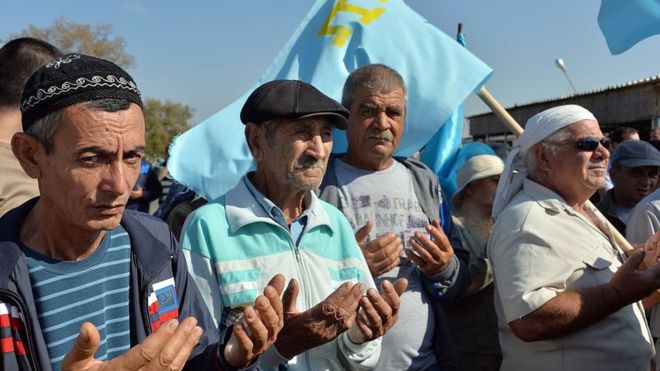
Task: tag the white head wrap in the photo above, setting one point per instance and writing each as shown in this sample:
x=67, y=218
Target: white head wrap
x=539, y=127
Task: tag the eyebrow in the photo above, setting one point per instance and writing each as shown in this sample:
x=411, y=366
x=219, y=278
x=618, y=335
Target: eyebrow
x=103, y=152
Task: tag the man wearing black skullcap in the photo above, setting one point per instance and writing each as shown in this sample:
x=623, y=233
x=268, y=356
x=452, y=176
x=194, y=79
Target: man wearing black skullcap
x=273, y=222
x=80, y=275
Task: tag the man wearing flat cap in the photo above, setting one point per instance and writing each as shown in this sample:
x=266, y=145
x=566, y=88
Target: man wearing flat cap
x=635, y=166
x=273, y=222
x=82, y=276
x=566, y=297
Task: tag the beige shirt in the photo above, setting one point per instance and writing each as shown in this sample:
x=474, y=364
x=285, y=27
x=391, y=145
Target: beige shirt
x=540, y=247
x=15, y=186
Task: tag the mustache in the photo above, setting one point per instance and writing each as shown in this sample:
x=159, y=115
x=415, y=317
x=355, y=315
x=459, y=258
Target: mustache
x=309, y=162
x=377, y=134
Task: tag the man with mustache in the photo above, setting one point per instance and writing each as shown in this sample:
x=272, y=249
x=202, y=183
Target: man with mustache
x=272, y=222
x=635, y=166
x=84, y=283
x=394, y=205
x=565, y=295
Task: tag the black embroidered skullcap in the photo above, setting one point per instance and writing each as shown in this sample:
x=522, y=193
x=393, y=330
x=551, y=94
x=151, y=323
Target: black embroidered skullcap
x=72, y=79
x=291, y=99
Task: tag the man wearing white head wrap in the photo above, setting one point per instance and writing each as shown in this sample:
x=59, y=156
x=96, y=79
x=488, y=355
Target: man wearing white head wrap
x=564, y=298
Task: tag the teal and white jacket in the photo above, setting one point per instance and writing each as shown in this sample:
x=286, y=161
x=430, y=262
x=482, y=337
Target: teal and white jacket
x=234, y=247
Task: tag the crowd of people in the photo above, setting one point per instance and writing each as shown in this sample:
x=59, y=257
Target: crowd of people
x=315, y=260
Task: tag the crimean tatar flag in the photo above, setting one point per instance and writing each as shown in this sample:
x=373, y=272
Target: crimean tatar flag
x=627, y=22
x=334, y=38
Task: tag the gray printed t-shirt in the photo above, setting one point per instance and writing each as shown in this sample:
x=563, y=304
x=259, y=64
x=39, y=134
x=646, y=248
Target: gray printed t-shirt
x=387, y=198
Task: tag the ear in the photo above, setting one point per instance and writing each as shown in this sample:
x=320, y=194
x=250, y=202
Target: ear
x=543, y=158
x=29, y=153
x=252, y=136
x=468, y=190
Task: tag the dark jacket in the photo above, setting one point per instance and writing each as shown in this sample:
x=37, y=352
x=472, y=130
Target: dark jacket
x=156, y=257
x=607, y=206
x=151, y=188
x=455, y=277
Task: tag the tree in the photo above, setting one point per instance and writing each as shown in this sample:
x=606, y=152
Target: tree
x=72, y=37
x=164, y=121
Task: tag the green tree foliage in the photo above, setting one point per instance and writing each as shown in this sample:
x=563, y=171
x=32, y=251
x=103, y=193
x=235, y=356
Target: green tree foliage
x=164, y=121
x=94, y=40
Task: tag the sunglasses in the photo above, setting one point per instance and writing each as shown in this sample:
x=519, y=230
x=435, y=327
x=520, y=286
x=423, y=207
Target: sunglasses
x=591, y=143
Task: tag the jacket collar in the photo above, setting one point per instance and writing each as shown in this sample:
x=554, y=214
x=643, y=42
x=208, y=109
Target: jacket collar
x=242, y=209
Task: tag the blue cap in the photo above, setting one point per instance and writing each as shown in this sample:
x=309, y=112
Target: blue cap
x=635, y=153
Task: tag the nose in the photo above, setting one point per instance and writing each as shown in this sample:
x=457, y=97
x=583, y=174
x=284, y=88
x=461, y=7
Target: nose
x=602, y=152
x=114, y=180
x=316, y=147
x=381, y=121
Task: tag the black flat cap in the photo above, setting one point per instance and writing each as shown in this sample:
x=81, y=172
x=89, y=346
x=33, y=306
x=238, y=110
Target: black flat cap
x=72, y=79
x=291, y=99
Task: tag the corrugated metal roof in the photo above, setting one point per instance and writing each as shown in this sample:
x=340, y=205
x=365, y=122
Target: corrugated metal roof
x=613, y=87
x=647, y=80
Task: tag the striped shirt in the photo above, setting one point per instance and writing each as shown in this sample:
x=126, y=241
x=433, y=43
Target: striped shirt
x=95, y=289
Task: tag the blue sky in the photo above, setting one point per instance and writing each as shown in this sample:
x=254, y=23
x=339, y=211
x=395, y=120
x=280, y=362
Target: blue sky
x=208, y=53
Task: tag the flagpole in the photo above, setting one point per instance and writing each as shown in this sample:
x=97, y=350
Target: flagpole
x=515, y=127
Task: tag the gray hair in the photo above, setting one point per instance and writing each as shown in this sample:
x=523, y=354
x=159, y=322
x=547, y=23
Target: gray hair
x=377, y=77
x=269, y=128
x=553, y=143
x=45, y=128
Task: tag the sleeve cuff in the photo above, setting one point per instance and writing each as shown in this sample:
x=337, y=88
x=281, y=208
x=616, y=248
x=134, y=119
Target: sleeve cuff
x=447, y=273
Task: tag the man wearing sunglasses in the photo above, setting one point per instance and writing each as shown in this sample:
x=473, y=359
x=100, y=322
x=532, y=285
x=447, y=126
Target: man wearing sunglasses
x=635, y=166
x=565, y=296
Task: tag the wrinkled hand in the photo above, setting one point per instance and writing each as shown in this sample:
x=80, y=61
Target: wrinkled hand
x=379, y=313
x=168, y=348
x=320, y=324
x=136, y=192
x=381, y=254
x=632, y=284
x=259, y=327
x=431, y=256
x=651, y=251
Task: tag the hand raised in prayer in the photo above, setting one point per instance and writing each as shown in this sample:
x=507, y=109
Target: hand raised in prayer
x=431, y=256
x=378, y=313
x=320, y=324
x=168, y=348
x=259, y=327
x=381, y=254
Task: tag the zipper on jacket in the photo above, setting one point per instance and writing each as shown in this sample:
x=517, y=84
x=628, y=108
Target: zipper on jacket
x=28, y=326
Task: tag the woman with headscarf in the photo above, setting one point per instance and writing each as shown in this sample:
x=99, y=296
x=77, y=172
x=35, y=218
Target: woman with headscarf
x=472, y=319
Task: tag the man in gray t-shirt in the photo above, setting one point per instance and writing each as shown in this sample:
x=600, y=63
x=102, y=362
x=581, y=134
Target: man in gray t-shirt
x=394, y=205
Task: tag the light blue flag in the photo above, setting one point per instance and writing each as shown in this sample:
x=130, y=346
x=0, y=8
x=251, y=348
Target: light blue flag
x=334, y=38
x=440, y=152
x=627, y=22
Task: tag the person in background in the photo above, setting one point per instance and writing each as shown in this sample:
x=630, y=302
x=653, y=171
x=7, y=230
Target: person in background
x=634, y=169
x=472, y=318
x=19, y=58
x=615, y=138
x=147, y=188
